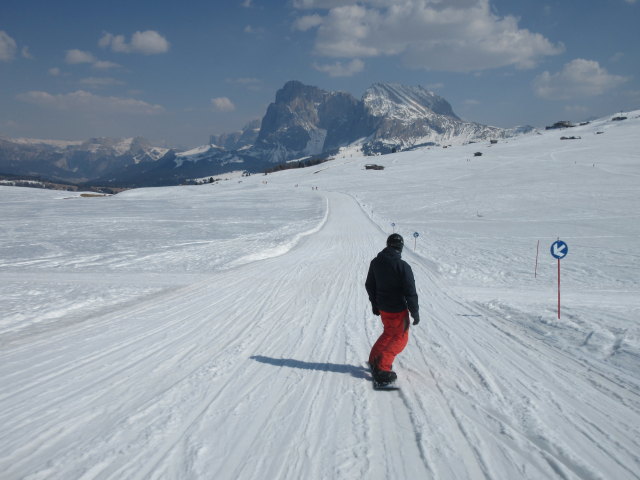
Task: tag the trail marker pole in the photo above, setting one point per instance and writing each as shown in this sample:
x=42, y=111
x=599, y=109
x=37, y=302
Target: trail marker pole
x=415, y=239
x=393, y=224
x=558, y=289
x=559, y=250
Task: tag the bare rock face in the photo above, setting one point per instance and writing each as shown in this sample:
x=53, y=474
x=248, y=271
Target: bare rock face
x=306, y=120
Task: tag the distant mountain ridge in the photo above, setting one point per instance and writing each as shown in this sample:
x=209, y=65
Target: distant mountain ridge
x=243, y=138
x=74, y=161
x=304, y=121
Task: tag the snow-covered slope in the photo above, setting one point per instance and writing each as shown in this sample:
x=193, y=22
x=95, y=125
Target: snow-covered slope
x=406, y=116
x=221, y=331
x=405, y=102
x=196, y=154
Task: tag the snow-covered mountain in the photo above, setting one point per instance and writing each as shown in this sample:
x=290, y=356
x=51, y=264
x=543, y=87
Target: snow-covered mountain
x=243, y=138
x=406, y=102
x=304, y=121
x=75, y=161
x=408, y=116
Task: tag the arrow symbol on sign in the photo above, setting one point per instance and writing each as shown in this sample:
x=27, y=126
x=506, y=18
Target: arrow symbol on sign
x=558, y=250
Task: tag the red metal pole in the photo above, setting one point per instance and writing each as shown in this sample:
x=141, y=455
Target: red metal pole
x=558, y=289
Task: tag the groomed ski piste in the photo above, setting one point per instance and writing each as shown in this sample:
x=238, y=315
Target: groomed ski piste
x=222, y=331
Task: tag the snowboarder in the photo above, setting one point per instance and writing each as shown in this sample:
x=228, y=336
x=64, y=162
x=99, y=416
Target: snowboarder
x=392, y=292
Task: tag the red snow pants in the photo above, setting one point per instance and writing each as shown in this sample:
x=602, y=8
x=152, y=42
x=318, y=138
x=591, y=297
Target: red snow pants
x=392, y=341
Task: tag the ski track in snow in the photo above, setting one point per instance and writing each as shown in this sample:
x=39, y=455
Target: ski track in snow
x=178, y=379
x=258, y=370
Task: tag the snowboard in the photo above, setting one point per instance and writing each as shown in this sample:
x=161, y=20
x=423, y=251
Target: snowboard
x=391, y=386
x=386, y=386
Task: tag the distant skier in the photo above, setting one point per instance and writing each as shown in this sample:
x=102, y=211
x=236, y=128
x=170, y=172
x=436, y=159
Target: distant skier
x=392, y=292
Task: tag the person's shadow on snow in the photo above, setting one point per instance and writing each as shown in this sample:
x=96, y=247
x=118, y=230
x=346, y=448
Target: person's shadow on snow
x=353, y=370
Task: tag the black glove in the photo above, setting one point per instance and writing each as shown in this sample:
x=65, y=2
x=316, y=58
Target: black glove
x=416, y=320
x=376, y=312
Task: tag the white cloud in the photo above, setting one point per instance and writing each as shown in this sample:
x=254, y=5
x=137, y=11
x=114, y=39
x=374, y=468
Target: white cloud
x=339, y=70
x=320, y=4
x=148, y=42
x=254, y=30
x=222, y=104
x=617, y=57
x=105, y=65
x=452, y=35
x=116, y=42
x=99, y=82
x=55, y=72
x=81, y=101
x=307, y=22
x=578, y=79
x=349, y=32
x=76, y=56
x=26, y=53
x=7, y=47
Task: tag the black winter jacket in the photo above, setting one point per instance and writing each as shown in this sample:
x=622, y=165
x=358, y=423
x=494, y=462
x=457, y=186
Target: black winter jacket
x=390, y=283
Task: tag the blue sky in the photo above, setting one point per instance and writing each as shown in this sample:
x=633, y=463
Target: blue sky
x=176, y=72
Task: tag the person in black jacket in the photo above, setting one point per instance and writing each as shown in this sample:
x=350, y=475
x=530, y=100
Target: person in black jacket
x=393, y=296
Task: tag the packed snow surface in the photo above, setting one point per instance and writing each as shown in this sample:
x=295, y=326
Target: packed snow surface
x=221, y=331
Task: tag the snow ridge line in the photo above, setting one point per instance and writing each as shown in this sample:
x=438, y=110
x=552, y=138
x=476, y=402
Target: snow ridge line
x=283, y=248
x=417, y=430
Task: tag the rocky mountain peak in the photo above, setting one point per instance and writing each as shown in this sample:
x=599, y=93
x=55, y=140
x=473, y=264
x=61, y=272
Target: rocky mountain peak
x=294, y=90
x=306, y=120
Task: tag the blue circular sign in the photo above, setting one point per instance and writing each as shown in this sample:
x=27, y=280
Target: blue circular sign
x=559, y=249
x=416, y=234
